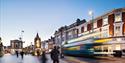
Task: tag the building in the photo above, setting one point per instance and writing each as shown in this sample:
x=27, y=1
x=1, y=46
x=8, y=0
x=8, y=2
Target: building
x=16, y=45
x=37, y=45
x=7, y=49
x=1, y=47
x=67, y=32
x=108, y=29
x=48, y=44
x=51, y=43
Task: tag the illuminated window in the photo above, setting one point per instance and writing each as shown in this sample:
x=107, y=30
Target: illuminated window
x=105, y=20
x=118, y=47
x=118, y=17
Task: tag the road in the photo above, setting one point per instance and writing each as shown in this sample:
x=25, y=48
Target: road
x=67, y=59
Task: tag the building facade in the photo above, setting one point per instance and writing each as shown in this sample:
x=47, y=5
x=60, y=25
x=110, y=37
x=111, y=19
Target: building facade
x=48, y=44
x=16, y=45
x=108, y=29
x=51, y=44
x=65, y=33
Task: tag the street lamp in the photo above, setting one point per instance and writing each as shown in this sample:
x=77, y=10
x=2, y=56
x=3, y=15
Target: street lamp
x=92, y=16
x=21, y=36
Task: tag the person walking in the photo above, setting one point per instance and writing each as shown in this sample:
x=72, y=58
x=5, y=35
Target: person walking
x=55, y=55
x=22, y=53
x=43, y=57
x=16, y=53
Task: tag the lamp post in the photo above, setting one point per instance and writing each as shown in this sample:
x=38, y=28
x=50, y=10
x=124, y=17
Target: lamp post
x=21, y=35
x=92, y=17
x=21, y=39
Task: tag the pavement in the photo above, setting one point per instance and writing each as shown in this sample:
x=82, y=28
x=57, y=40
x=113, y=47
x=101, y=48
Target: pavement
x=8, y=58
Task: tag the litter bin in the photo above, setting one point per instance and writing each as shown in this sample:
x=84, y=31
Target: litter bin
x=117, y=53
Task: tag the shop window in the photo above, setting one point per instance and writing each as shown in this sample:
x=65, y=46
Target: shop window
x=117, y=47
x=105, y=49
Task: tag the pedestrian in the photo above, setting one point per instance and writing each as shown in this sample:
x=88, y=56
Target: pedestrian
x=16, y=53
x=43, y=57
x=22, y=53
x=55, y=55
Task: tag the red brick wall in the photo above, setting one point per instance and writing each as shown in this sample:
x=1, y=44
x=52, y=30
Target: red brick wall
x=123, y=19
x=111, y=26
x=99, y=23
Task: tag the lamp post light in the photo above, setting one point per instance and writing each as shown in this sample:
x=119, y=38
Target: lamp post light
x=92, y=17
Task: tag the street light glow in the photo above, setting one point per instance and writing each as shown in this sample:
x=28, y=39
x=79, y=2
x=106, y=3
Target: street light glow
x=91, y=13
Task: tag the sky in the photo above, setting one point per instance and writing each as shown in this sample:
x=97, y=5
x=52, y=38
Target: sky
x=46, y=16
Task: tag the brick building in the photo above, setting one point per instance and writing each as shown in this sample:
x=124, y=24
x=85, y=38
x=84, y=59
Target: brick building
x=108, y=29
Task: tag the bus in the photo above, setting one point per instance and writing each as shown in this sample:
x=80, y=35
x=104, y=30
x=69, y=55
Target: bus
x=88, y=47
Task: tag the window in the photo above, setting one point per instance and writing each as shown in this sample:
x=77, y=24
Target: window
x=82, y=29
x=63, y=37
x=117, y=31
x=105, y=20
x=95, y=24
x=118, y=28
x=118, y=17
x=117, y=47
x=69, y=35
x=85, y=28
x=105, y=34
